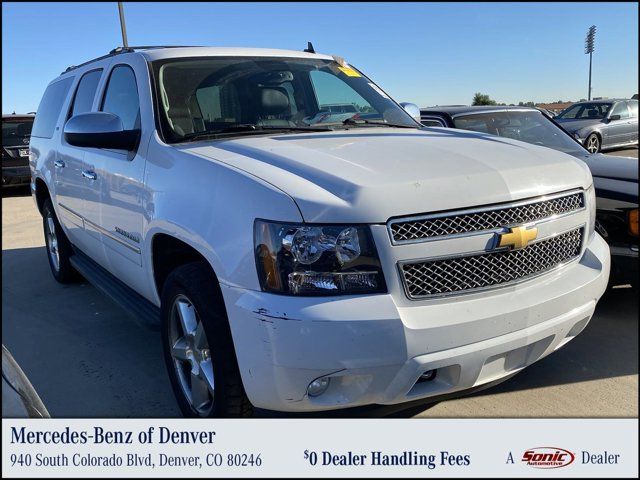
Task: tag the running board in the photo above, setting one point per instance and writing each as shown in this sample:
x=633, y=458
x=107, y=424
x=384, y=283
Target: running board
x=139, y=308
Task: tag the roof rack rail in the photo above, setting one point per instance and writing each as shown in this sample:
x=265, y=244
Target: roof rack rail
x=119, y=50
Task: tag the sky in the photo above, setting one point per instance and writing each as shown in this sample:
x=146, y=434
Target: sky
x=426, y=53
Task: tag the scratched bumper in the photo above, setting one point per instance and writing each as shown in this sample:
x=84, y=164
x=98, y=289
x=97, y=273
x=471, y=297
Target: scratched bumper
x=375, y=351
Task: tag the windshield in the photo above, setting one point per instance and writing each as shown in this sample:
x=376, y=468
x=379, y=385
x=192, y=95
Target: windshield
x=16, y=132
x=527, y=126
x=217, y=94
x=585, y=111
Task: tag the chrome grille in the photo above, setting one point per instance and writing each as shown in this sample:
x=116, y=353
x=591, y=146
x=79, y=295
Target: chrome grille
x=463, y=274
x=487, y=218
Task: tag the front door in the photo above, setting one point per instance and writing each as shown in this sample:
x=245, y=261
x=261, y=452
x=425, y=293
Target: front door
x=119, y=176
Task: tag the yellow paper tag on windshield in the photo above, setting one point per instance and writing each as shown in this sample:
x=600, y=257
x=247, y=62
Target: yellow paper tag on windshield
x=349, y=72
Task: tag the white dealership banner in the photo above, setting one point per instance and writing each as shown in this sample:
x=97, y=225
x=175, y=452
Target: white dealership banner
x=320, y=448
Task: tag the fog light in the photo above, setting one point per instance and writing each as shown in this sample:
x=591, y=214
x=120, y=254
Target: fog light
x=318, y=386
x=427, y=376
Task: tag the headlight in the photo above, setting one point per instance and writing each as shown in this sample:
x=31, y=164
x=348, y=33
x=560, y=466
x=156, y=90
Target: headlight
x=317, y=259
x=632, y=217
x=591, y=207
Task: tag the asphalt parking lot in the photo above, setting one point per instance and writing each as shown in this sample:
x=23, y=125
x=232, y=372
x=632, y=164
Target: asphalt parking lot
x=86, y=358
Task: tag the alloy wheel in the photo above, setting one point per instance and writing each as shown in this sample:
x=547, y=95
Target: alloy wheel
x=593, y=144
x=191, y=355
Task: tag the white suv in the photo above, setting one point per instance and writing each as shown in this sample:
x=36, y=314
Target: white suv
x=299, y=258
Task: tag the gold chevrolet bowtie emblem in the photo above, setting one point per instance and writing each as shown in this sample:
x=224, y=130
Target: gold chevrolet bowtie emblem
x=518, y=237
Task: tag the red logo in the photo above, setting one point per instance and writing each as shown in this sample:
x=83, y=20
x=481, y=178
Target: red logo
x=548, y=457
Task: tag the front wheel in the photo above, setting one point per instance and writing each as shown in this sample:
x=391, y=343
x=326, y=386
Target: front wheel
x=198, y=347
x=592, y=143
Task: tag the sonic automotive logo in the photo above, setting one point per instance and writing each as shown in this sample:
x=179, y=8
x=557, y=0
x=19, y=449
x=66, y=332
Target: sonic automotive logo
x=548, y=457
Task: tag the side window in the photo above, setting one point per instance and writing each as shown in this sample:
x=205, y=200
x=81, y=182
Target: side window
x=85, y=93
x=334, y=95
x=620, y=109
x=121, y=97
x=633, y=107
x=50, y=107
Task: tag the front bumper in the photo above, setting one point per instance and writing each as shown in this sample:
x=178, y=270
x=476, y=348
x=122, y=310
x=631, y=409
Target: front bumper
x=375, y=349
x=14, y=176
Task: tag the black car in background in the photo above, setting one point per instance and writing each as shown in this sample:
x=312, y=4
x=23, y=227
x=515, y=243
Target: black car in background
x=16, y=133
x=615, y=178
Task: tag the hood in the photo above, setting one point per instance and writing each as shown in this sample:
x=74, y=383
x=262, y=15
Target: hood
x=571, y=125
x=368, y=175
x=615, y=178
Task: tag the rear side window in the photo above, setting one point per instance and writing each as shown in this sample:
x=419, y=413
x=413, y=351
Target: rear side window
x=621, y=109
x=86, y=92
x=121, y=97
x=50, y=107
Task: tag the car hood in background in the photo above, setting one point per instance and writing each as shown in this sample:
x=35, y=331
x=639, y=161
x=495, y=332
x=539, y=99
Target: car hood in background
x=571, y=125
x=368, y=175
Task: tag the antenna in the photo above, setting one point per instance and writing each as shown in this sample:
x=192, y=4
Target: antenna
x=123, y=27
x=309, y=48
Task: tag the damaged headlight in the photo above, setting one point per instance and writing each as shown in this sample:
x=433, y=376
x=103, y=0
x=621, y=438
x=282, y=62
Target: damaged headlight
x=301, y=259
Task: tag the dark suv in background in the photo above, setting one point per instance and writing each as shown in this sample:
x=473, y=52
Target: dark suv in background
x=16, y=133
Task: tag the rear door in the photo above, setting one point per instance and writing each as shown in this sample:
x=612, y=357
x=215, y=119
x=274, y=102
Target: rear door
x=618, y=131
x=45, y=143
x=633, y=121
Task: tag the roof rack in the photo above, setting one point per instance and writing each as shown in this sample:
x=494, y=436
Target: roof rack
x=119, y=50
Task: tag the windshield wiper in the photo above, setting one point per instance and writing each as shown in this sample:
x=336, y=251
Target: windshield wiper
x=376, y=123
x=248, y=128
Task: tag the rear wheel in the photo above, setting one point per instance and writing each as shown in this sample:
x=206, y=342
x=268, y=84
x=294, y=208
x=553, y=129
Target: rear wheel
x=198, y=347
x=592, y=143
x=59, y=250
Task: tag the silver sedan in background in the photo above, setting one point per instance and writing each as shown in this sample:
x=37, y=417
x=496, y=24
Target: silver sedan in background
x=602, y=124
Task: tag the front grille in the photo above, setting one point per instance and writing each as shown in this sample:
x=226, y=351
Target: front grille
x=488, y=218
x=463, y=274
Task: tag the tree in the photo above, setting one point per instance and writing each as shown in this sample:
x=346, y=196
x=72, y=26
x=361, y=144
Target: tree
x=482, y=99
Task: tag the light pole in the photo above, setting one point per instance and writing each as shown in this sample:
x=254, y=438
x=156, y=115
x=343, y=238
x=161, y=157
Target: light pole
x=123, y=27
x=589, y=47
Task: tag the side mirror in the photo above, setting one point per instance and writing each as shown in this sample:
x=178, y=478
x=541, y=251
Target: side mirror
x=412, y=109
x=100, y=130
x=614, y=117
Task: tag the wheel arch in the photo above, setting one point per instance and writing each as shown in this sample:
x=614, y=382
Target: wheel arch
x=41, y=193
x=168, y=252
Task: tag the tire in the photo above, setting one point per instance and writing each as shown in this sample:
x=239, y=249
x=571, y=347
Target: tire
x=592, y=143
x=59, y=249
x=198, y=347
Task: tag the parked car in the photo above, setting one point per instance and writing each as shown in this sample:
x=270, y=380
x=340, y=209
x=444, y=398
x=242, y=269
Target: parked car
x=602, y=124
x=16, y=131
x=615, y=178
x=19, y=398
x=304, y=265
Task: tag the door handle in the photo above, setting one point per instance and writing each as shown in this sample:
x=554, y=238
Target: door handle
x=89, y=174
x=59, y=164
